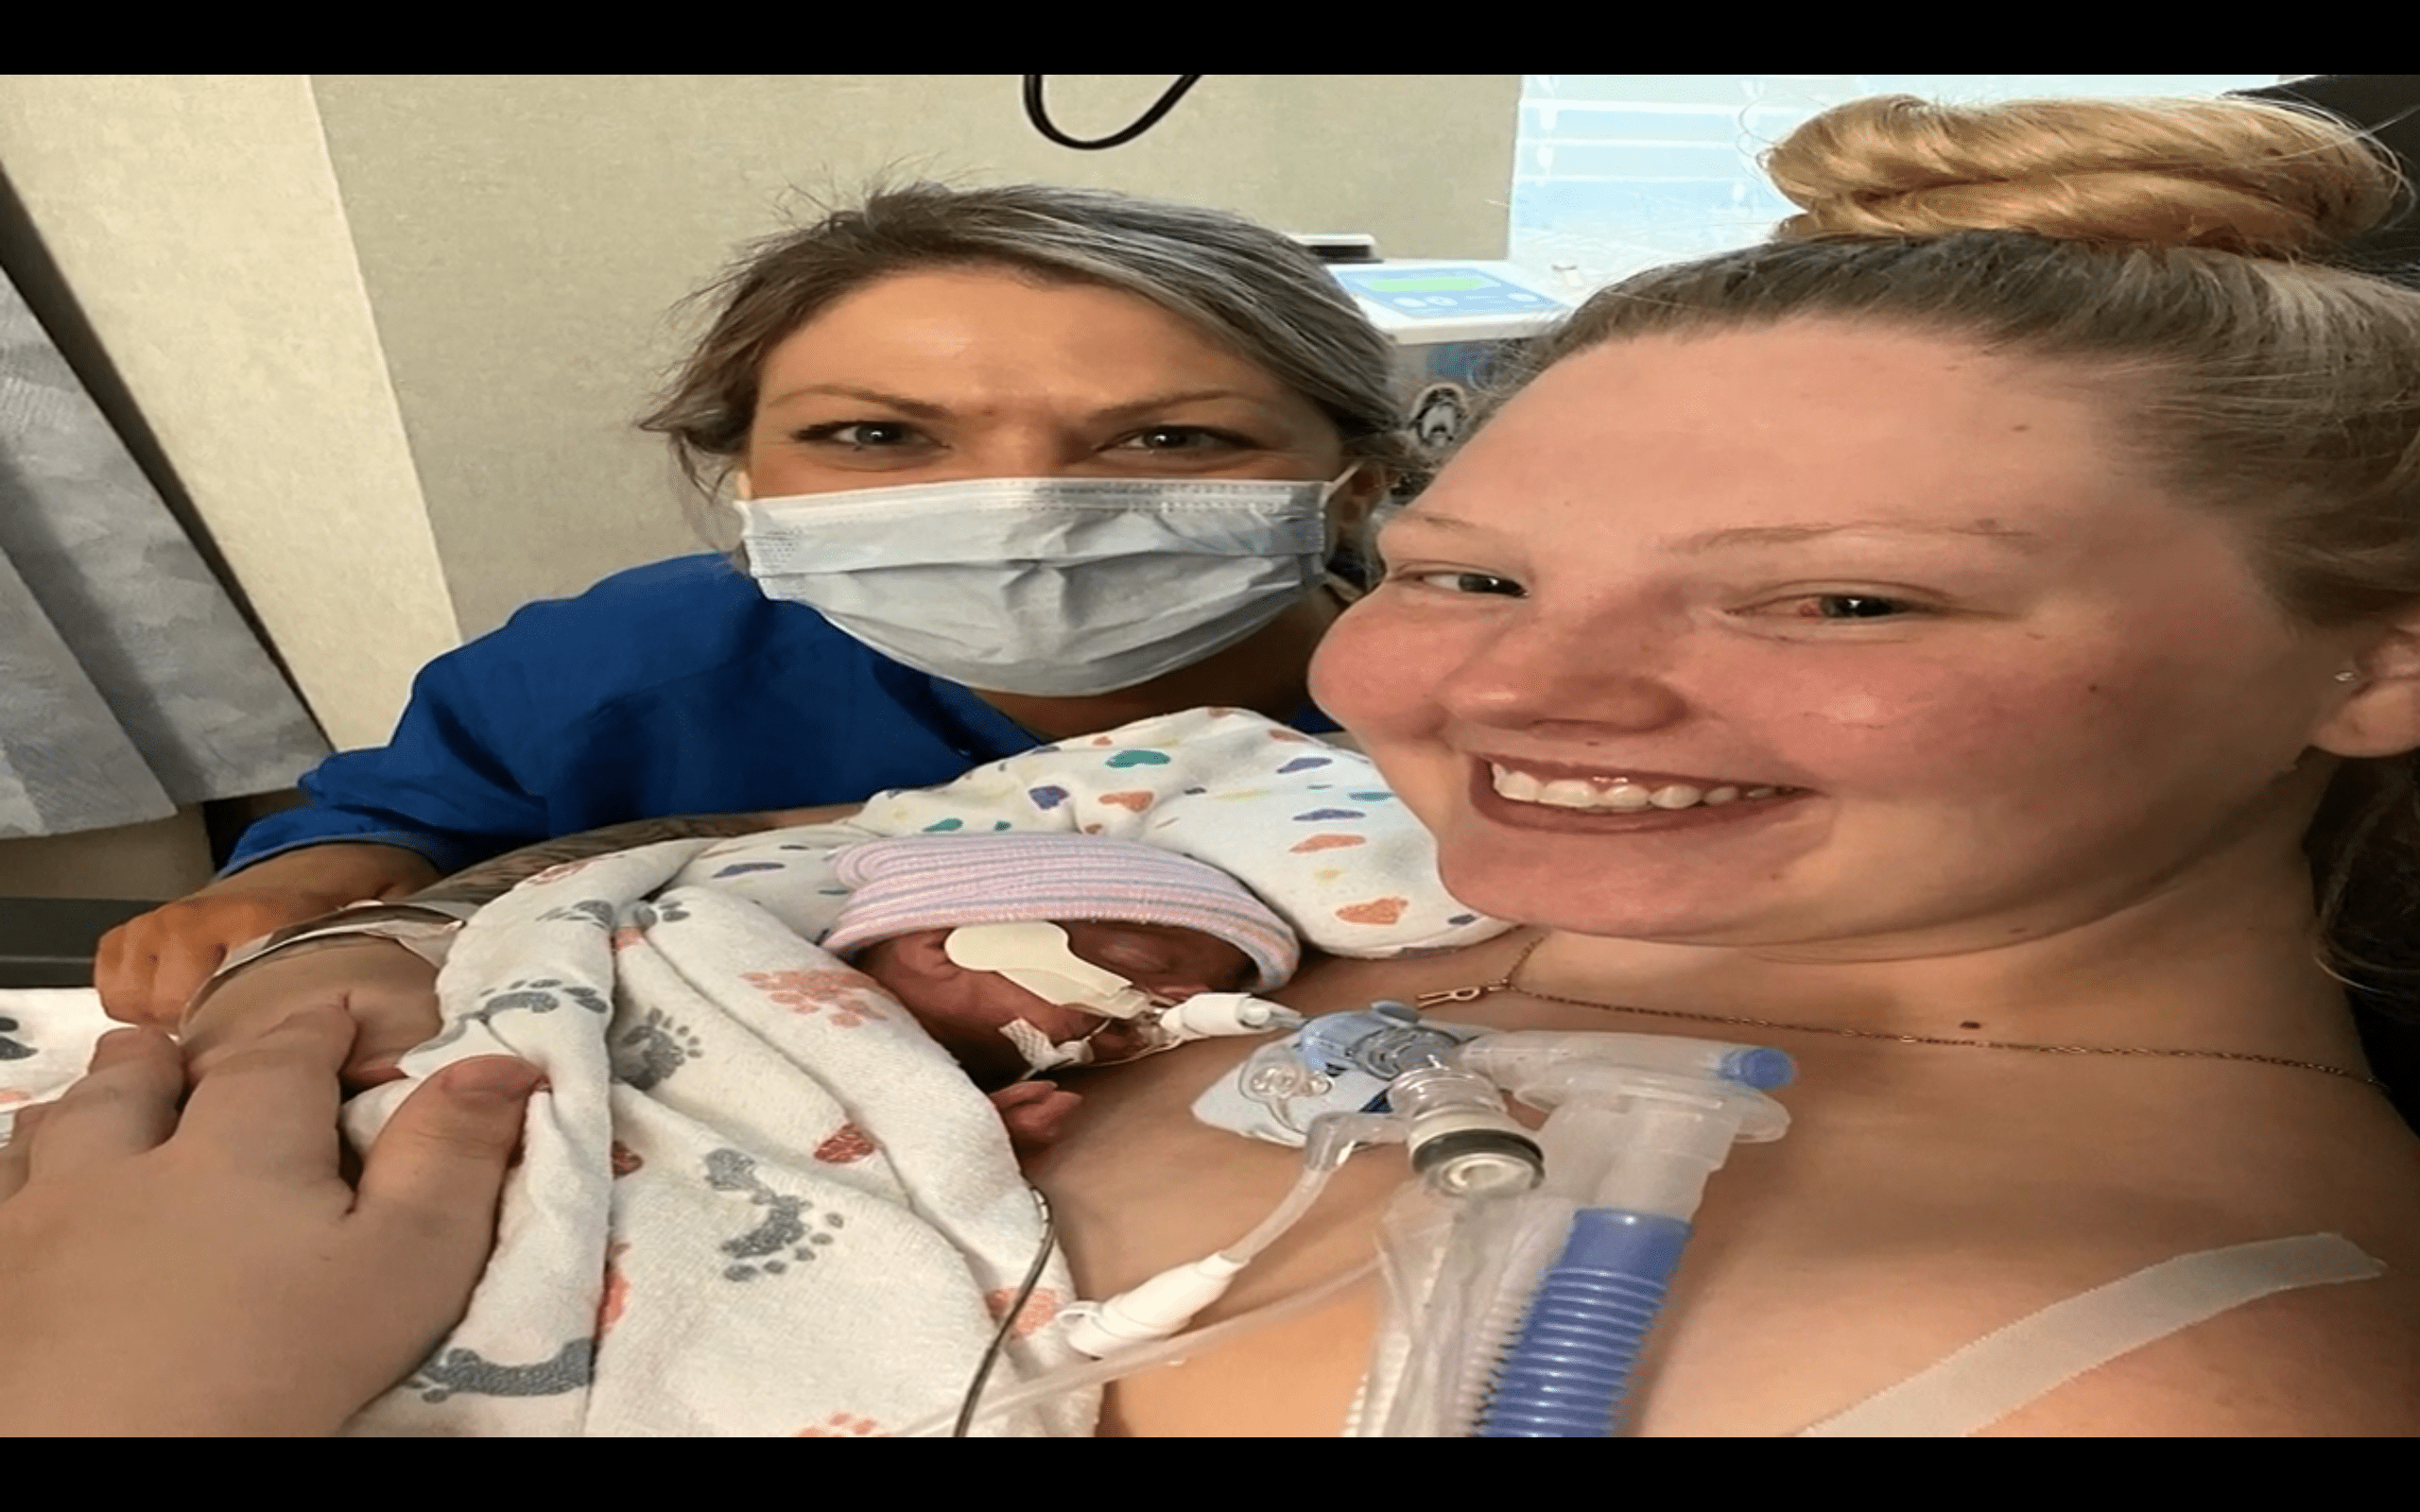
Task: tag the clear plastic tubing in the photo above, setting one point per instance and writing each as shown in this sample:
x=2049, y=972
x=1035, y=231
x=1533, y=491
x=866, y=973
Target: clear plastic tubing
x=1528, y=1058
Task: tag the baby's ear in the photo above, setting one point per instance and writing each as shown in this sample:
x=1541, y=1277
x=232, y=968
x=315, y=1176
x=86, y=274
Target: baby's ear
x=917, y=955
x=2378, y=713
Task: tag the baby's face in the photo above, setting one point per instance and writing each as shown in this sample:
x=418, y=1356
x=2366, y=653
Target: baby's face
x=966, y=1009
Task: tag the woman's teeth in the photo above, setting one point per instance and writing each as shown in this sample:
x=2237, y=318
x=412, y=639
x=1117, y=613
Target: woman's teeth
x=1617, y=794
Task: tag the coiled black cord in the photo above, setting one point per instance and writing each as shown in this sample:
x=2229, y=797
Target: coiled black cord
x=1039, y=113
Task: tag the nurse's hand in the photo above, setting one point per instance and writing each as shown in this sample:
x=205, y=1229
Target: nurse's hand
x=387, y=991
x=148, y=968
x=213, y=1274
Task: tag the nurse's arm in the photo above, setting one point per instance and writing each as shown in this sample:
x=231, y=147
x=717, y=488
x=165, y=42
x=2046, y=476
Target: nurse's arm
x=491, y=880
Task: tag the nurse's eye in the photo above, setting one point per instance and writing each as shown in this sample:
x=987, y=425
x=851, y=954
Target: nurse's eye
x=1466, y=582
x=862, y=435
x=1185, y=438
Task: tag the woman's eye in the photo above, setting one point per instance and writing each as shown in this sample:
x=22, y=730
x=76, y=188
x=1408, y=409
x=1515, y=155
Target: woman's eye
x=1850, y=606
x=1467, y=582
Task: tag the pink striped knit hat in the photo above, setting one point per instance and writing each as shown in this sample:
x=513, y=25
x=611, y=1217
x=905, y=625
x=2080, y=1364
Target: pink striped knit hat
x=947, y=881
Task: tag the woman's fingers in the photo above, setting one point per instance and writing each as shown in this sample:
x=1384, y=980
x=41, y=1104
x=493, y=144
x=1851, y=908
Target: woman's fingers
x=14, y=1162
x=429, y=1186
x=125, y=1105
x=226, y=1282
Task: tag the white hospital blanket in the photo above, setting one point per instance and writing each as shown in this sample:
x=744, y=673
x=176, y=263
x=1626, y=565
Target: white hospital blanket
x=757, y=1198
x=46, y=1036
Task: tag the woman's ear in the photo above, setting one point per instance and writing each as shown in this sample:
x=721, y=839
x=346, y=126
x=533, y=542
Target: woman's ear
x=2378, y=712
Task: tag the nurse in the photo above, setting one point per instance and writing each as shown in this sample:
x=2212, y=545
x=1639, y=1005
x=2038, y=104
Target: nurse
x=1009, y=464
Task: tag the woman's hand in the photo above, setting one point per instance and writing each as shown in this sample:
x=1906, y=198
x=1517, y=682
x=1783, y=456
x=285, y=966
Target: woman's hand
x=150, y=965
x=213, y=1274
x=388, y=993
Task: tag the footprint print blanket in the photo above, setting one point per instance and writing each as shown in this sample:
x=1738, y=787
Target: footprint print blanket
x=757, y=1198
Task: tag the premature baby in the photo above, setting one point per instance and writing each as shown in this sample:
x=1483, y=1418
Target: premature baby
x=1021, y=953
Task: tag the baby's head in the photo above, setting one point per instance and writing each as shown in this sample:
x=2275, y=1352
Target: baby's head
x=1019, y=952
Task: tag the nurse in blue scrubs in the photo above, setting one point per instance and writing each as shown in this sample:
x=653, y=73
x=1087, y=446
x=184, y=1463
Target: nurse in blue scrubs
x=991, y=467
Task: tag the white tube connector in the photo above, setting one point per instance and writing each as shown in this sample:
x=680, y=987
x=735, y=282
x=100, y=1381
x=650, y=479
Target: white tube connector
x=1155, y=1310
x=1208, y=1014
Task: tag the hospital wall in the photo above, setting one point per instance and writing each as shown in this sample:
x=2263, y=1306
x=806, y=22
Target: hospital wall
x=389, y=331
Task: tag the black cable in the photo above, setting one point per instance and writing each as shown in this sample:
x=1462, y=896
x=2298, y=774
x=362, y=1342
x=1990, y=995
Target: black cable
x=1009, y=1318
x=1039, y=113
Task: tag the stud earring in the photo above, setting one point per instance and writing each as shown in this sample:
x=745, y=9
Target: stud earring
x=2348, y=676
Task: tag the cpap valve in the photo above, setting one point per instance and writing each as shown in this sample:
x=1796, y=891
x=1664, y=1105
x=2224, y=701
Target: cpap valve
x=1034, y=954
x=1340, y=1083
x=1522, y=1268
x=1521, y=1316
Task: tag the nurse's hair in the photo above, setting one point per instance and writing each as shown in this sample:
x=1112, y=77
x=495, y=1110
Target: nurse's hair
x=1257, y=293
x=2174, y=258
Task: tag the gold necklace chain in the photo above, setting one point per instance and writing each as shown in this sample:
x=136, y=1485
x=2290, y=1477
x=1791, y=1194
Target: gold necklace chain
x=1507, y=983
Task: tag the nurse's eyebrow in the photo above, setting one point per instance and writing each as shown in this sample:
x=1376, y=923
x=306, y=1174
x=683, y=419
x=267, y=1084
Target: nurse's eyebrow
x=922, y=408
x=1990, y=530
x=926, y=409
x=1184, y=396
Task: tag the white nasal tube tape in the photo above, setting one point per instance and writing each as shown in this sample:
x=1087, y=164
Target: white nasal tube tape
x=1034, y=954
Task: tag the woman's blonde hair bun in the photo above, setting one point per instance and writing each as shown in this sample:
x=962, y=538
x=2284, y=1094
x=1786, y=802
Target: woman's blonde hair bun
x=2238, y=176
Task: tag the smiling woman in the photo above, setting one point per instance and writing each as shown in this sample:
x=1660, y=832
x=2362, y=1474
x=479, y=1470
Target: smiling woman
x=1898, y=617
x=2164, y=543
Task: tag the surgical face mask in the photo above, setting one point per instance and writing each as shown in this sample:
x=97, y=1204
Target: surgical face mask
x=1052, y=587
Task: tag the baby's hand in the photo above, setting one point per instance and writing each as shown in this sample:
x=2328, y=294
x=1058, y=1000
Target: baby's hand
x=1036, y=1113
x=388, y=992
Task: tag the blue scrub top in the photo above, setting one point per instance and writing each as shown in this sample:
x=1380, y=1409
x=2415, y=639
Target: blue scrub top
x=671, y=689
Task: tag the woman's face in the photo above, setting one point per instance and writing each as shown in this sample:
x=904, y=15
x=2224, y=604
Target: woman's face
x=979, y=374
x=1824, y=636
